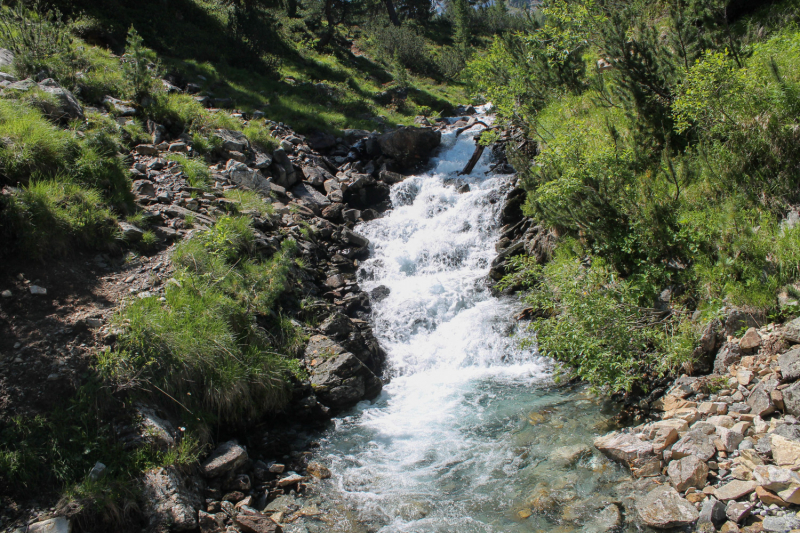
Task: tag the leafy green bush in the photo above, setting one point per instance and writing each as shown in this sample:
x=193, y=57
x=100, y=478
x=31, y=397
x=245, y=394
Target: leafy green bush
x=249, y=200
x=204, y=348
x=138, y=73
x=590, y=320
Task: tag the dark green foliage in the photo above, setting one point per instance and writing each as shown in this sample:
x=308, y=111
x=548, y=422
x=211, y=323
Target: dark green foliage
x=670, y=165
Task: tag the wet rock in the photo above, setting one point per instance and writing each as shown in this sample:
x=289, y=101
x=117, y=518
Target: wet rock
x=343, y=380
x=664, y=508
x=734, y=490
x=256, y=523
x=351, y=237
x=171, y=499
x=408, y=145
x=607, y=520
x=379, y=293
x=54, y=525
x=318, y=471
x=687, y=472
x=568, y=455
x=390, y=178
x=226, y=458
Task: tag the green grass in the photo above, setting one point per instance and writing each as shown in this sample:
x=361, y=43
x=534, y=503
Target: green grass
x=201, y=351
x=53, y=217
x=195, y=170
x=249, y=200
x=259, y=135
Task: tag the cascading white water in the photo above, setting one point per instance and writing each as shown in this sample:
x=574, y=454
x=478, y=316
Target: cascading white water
x=440, y=449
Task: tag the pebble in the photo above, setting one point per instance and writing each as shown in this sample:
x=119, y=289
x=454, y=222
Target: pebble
x=35, y=289
x=6, y=294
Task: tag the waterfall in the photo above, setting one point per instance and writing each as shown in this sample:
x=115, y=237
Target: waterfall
x=439, y=449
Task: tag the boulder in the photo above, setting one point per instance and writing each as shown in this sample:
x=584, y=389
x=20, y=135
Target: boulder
x=316, y=176
x=698, y=441
x=713, y=512
x=64, y=106
x=751, y=340
x=255, y=522
x=775, y=478
x=790, y=365
x=409, y=145
x=663, y=508
x=286, y=175
x=780, y=524
x=319, y=141
x=353, y=135
x=760, y=400
x=318, y=471
x=54, y=525
x=791, y=399
x=119, y=108
x=352, y=238
x=626, y=448
x=248, y=178
x=343, y=380
x=727, y=440
x=171, y=499
x=729, y=353
x=130, y=232
x=307, y=193
x=791, y=331
x=233, y=141
x=6, y=58
x=226, y=458
x=143, y=188
x=390, y=178
x=687, y=472
x=606, y=520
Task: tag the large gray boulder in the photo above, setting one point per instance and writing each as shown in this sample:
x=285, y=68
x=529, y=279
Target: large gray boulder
x=249, y=178
x=6, y=58
x=663, y=508
x=760, y=399
x=698, y=441
x=232, y=140
x=171, y=499
x=790, y=365
x=687, y=472
x=228, y=457
x=791, y=399
x=408, y=145
x=791, y=331
x=310, y=195
x=343, y=380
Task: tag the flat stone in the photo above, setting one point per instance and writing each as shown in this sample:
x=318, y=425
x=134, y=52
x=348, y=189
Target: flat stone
x=785, y=452
x=791, y=494
x=664, y=508
x=775, y=478
x=146, y=149
x=37, y=290
x=760, y=401
x=687, y=472
x=318, y=471
x=625, y=448
x=226, y=458
x=54, y=525
x=727, y=440
x=780, y=524
x=790, y=364
x=130, y=232
x=256, y=523
x=769, y=498
x=734, y=490
x=744, y=377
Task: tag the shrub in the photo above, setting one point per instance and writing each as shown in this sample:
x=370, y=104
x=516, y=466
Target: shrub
x=591, y=321
x=204, y=348
x=183, y=112
x=249, y=200
x=138, y=73
x=39, y=39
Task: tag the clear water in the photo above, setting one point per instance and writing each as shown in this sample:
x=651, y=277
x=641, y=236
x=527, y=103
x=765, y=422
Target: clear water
x=470, y=431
